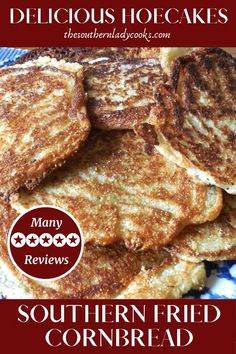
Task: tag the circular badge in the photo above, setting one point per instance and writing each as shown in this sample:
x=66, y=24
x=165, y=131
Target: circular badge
x=45, y=243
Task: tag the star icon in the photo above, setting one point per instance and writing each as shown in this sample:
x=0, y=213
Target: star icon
x=46, y=239
x=18, y=240
x=32, y=239
x=73, y=240
x=59, y=240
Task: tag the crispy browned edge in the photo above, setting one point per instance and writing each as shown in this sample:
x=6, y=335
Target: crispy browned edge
x=37, y=291
x=40, y=292
x=77, y=101
x=221, y=255
x=74, y=54
x=198, y=54
x=147, y=130
x=119, y=119
x=67, y=53
x=191, y=256
x=128, y=117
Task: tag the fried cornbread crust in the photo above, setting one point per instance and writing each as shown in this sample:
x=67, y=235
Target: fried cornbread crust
x=108, y=272
x=87, y=55
x=170, y=280
x=118, y=192
x=43, y=120
x=212, y=241
x=194, y=117
x=119, y=81
x=120, y=94
x=103, y=272
x=168, y=55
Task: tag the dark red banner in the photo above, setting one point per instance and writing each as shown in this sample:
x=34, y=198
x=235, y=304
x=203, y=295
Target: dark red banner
x=118, y=326
x=117, y=23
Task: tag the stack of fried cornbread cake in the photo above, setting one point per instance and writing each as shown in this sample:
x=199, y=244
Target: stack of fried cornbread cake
x=139, y=145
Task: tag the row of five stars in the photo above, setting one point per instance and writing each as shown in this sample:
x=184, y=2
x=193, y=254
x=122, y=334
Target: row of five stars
x=32, y=240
